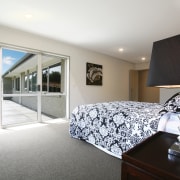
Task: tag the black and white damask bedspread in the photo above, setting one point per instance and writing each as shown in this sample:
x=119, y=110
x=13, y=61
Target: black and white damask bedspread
x=117, y=126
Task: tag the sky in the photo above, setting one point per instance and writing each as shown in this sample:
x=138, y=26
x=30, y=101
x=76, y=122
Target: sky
x=9, y=58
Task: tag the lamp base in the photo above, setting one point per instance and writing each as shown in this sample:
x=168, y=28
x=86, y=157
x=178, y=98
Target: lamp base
x=175, y=149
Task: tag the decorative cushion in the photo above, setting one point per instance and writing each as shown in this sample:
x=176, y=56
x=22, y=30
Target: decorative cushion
x=172, y=104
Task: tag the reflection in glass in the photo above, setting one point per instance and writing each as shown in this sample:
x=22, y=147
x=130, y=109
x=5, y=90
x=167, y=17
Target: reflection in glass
x=55, y=79
x=51, y=78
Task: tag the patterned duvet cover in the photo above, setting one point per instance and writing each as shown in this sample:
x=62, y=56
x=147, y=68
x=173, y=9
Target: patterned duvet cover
x=117, y=126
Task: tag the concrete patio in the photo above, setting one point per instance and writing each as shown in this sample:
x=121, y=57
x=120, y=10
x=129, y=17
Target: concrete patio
x=14, y=113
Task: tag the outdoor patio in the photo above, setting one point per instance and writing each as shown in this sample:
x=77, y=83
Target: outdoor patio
x=14, y=113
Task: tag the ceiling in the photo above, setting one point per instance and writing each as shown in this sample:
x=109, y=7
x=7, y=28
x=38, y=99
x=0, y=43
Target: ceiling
x=100, y=25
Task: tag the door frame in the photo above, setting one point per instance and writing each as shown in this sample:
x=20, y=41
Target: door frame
x=39, y=80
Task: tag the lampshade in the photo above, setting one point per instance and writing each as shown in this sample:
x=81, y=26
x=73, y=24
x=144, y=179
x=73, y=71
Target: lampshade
x=165, y=63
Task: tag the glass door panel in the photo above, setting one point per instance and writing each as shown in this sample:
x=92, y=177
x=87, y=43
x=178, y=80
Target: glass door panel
x=53, y=87
x=19, y=84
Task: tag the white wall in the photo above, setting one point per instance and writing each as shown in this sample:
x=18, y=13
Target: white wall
x=141, y=66
x=165, y=94
x=115, y=72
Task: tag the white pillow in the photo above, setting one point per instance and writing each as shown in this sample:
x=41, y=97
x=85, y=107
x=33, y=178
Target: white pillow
x=172, y=123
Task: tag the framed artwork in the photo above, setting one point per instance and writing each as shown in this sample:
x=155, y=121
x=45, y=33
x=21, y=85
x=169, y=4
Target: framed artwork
x=94, y=74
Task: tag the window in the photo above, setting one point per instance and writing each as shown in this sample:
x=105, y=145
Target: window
x=44, y=79
x=25, y=82
x=17, y=84
x=51, y=78
x=32, y=81
x=54, y=79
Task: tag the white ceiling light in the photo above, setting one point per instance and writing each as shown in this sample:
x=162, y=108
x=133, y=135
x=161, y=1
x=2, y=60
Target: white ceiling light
x=120, y=49
x=143, y=58
x=28, y=16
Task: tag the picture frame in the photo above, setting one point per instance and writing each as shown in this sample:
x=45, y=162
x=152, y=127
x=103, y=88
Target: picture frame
x=94, y=74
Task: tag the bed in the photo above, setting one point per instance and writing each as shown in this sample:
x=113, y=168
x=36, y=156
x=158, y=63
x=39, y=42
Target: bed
x=117, y=126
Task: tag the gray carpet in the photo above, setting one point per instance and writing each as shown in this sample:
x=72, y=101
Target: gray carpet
x=49, y=153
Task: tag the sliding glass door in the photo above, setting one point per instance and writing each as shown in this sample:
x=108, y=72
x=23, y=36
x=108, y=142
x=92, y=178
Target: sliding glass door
x=53, y=86
x=34, y=87
x=19, y=87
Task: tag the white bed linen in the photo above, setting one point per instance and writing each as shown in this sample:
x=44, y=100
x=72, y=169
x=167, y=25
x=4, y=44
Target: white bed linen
x=116, y=126
x=169, y=122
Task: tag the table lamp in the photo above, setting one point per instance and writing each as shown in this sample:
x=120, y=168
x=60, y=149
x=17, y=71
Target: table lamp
x=164, y=71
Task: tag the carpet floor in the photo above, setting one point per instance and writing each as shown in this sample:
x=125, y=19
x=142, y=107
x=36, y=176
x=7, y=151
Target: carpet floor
x=47, y=152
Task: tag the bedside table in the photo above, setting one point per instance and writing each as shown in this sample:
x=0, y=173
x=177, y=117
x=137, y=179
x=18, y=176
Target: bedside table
x=150, y=160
